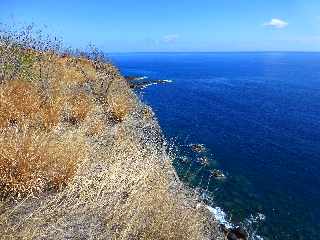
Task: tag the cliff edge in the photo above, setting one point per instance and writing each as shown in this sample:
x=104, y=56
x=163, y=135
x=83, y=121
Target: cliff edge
x=82, y=158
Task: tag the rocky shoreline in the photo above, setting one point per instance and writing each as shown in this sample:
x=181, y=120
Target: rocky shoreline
x=142, y=82
x=125, y=188
x=231, y=233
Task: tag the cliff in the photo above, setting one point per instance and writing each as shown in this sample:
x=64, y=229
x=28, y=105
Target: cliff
x=82, y=158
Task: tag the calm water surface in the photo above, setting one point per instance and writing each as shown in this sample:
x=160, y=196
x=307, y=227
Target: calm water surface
x=258, y=114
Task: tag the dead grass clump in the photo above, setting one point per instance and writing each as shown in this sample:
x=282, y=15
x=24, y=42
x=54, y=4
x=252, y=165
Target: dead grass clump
x=19, y=101
x=80, y=106
x=147, y=202
x=73, y=71
x=96, y=127
x=153, y=211
x=120, y=100
x=51, y=113
x=33, y=161
x=87, y=67
x=23, y=104
x=119, y=108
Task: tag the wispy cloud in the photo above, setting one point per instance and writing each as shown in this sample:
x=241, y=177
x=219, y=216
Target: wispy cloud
x=276, y=23
x=170, y=38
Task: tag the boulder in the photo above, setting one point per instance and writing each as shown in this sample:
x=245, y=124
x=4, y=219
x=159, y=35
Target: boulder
x=218, y=174
x=232, y=236
x=199, y=148
x=240, y=232
x=203, y=161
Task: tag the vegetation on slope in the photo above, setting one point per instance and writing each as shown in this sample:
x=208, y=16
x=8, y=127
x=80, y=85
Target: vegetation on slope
x=80, y=156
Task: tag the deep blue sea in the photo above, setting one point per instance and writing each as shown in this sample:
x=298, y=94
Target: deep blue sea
x=258, y=114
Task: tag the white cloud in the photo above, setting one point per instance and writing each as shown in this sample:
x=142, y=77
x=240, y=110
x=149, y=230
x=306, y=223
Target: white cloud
x=170, y=38
x=276, y=23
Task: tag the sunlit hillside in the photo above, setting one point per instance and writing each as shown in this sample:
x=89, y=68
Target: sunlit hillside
x=80, y=156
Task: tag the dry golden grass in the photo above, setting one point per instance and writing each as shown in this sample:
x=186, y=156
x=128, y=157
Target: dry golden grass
x=120, y=100
x=153, y=211
x=80, y=106
x=115, y=181
x=51, y=112
x=33, y=158
x=74, y=71
x=96, y=127
x=148, y=203
x=32, y=161
x=20, y=101
x=119, y=108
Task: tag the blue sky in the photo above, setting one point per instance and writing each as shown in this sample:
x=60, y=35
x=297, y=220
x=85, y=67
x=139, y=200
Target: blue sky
x=175, y=25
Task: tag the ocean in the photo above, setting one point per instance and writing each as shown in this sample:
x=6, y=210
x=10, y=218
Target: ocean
x=258, y=116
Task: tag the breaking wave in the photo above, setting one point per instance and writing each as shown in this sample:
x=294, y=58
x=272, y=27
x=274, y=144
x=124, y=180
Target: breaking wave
x=141, y=78
x=251, y=224
x=220, y=216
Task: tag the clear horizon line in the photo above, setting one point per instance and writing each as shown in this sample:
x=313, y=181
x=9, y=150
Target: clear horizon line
x=262, y=51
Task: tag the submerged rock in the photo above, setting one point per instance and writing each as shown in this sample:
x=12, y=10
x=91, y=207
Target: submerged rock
x=199, y=148
x=237, y=233
x=130, y=78
x=216, y=173
x=142, y=82
x=232, y=236
x=204, y=161
x=184, y=159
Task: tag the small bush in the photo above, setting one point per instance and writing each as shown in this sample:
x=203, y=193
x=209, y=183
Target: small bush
x=37, y=83
x=34, y=161
x=120, y=100
x=51, y=112
x=20, y=101
x=80, y=106
x=96, y=127
x=119, y=109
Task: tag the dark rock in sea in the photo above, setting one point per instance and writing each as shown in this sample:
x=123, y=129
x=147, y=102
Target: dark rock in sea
x=184, y=159
x=236, y=233
x=133, y=81
x=232, y=236
x=142, y=82
x=138, y=85
x=218, y=174
x=223, y=229
x=203, y=161
x=240, y=232
x=130, y=78
x=162, y=81
x=199, y=148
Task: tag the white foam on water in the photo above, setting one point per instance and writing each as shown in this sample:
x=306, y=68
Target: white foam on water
x=252, y=223
x=141, y=78
x=154, y=83
x=220, y=216
x=148, y=85
x=256, y=219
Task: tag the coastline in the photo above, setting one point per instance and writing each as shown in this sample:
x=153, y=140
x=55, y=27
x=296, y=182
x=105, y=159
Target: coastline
x=126, y=188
